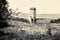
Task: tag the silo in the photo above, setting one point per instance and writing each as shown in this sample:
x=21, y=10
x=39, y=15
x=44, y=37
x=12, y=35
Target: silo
x=33, y=12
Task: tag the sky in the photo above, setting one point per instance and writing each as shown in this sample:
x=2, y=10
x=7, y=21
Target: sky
x=48, y=7
x=42, y=6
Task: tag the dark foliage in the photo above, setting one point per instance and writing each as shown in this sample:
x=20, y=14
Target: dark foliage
x=21, y=19
x=3, y=13
x=51, y=21
x=4, y=24
x=3, y=9
x=55, y=21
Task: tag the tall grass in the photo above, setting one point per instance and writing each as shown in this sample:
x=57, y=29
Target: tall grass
x=23, y=35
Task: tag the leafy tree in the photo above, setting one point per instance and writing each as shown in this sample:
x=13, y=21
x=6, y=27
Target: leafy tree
x=51, y=21
x=3, y=9
x=3, y=13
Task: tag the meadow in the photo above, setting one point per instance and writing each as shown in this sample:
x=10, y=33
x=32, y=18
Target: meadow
x=28, y=31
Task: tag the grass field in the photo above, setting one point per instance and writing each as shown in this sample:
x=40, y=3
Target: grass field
x=28, y=31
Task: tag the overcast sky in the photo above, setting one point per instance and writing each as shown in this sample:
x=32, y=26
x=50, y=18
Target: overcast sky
x=42, y=6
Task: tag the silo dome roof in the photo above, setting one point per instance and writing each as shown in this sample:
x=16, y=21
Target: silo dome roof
x=33, y=8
